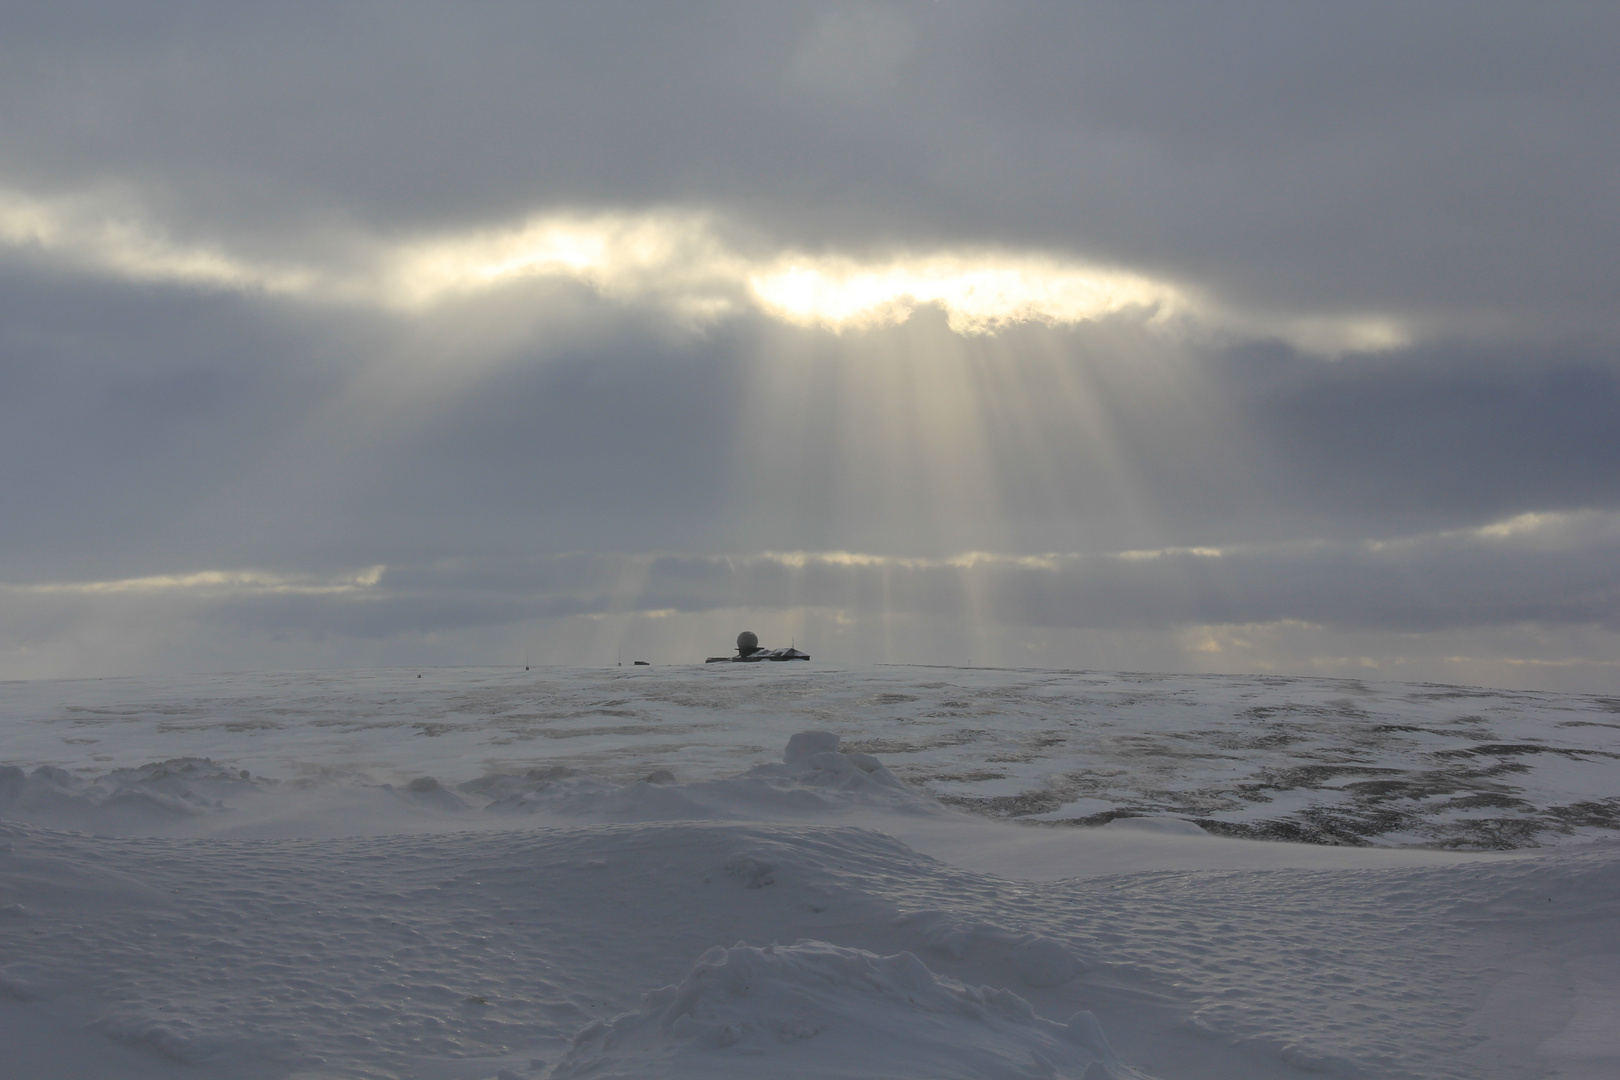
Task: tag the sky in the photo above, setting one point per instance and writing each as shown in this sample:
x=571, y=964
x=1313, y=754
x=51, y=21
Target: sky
x=1232, y=338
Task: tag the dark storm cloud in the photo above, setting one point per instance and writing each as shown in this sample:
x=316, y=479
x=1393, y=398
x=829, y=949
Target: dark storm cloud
x=122, y=409
x=1448, y=432
x=1456, y=161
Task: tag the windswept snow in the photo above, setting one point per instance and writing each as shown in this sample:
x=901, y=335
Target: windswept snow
x=1316, y=760
x=748, y=872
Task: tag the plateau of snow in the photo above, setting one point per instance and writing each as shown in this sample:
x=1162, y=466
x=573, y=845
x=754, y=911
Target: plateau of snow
x=744, y=871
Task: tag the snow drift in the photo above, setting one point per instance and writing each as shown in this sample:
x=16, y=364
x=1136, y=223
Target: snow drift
x=816, y=1010
x=813, y=779
x=198, y=796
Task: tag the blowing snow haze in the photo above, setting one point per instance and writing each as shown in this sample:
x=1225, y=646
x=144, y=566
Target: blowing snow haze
x=1222, y=338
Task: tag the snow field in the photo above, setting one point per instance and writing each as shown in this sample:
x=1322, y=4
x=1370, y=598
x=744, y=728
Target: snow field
x=630, y=912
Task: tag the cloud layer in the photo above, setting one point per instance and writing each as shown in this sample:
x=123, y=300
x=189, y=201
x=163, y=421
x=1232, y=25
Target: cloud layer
x=1541, y=574
x=1541, y=568
x=1087, y=329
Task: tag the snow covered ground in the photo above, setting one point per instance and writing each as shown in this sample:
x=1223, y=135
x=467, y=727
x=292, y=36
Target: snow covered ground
x=660, y=872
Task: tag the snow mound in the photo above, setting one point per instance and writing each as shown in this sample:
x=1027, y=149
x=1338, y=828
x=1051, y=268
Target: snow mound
x=813, y=779
x=151, y=795
x=818, y=1010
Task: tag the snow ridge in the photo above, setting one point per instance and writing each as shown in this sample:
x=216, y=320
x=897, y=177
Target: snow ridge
x=816, y=1010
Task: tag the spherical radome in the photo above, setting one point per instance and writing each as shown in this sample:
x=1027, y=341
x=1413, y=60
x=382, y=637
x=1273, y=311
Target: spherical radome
x=747, y=642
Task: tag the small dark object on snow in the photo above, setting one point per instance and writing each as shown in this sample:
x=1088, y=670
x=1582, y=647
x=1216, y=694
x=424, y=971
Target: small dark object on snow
x=642, y=663
x=749, y=652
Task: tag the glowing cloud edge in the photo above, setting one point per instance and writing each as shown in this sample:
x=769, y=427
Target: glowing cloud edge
x=677, y=260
